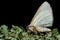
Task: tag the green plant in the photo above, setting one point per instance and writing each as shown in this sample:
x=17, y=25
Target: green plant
x=18, y=33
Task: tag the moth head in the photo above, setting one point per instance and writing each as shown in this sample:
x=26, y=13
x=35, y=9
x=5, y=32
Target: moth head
x=31, y=28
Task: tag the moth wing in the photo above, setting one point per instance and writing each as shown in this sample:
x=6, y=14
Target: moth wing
x=43, y=16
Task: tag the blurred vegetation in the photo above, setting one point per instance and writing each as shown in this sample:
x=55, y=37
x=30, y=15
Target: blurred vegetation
x=18, y=33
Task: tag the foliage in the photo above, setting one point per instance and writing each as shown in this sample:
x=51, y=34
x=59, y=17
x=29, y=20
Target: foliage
x=18, y=33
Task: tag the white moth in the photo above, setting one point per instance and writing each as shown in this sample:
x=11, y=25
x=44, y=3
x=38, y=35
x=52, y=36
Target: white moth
x=42, y=19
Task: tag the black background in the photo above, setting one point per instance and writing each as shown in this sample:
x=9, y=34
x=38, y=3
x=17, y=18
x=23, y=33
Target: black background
x=21, y=12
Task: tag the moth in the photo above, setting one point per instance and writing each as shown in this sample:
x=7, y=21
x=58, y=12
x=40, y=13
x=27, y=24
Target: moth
x=42, y=19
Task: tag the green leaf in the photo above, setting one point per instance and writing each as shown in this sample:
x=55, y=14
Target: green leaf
x=58, y=37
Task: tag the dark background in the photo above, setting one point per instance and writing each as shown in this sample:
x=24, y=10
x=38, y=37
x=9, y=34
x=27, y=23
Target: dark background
x=21, y=12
